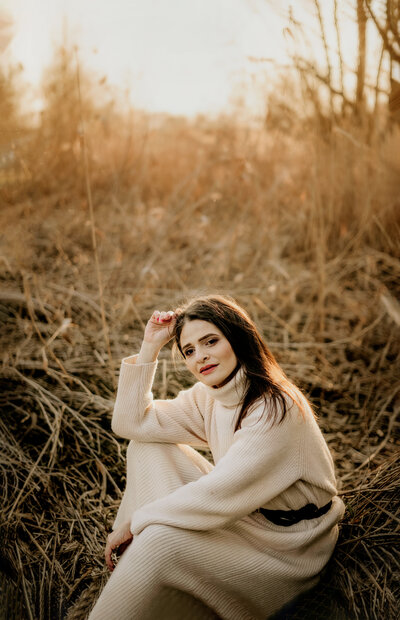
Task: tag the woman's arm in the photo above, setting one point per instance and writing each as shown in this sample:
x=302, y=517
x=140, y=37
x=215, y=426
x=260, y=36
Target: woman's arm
x=136, y=415
x=262, y=462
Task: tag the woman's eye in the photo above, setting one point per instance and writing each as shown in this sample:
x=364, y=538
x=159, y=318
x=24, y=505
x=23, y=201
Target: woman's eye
x=189, y=352
x=212, y=341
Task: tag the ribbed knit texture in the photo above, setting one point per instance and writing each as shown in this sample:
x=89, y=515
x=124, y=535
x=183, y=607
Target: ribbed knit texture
x=200, y=550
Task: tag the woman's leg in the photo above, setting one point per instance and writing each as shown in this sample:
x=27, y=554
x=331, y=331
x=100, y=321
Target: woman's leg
x=153, y=471
x=151, y=582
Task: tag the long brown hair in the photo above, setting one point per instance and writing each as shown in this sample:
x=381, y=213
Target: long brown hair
x=266, y=378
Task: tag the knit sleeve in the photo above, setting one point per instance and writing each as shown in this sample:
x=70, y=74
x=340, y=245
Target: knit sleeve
x=137, y=416
x=262, y=462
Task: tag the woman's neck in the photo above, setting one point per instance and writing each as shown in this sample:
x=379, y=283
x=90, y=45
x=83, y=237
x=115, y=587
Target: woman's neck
x=228, y=378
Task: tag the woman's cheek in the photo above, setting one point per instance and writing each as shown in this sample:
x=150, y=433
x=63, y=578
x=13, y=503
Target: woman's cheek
x=190, y=365
x=224, y=351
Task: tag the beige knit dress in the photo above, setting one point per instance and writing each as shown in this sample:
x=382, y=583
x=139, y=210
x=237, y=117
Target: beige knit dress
x=200, y=550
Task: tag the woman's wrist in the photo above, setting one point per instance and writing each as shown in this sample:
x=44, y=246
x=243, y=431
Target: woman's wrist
x=148, y=352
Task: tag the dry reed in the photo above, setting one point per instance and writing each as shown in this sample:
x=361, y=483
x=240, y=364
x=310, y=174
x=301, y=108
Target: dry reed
x=304, y=233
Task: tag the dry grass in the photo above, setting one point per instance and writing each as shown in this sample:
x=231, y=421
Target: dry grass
x=303, y=232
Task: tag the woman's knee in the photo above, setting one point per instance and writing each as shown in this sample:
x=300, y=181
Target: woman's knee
x=134, y=446
x=139, y=451
x=158, y=546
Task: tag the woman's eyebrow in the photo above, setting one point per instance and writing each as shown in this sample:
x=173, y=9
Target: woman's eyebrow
x=199, y=340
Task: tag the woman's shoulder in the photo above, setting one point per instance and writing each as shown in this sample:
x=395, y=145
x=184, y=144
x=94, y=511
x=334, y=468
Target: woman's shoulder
x=291, y=409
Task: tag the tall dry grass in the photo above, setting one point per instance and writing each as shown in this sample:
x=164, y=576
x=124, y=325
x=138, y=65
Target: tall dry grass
x=302, y=227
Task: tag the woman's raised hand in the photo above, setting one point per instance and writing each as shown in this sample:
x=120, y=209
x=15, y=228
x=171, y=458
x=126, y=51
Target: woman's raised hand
x=160, y=327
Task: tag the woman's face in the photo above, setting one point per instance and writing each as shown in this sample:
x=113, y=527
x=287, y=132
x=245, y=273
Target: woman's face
x=208, y=353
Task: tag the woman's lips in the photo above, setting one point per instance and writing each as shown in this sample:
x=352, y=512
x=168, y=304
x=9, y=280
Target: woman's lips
x=208, y=370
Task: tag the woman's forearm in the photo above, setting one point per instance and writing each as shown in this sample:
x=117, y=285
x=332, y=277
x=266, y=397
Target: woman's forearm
x=138, y=417
x=148, y=353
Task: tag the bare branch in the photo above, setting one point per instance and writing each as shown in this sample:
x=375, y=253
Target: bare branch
x=325, y=42
x=362, y=42
x=339, y=47
x=393, y=17
x=324, y=79
x=394, y=55
x=378, y=75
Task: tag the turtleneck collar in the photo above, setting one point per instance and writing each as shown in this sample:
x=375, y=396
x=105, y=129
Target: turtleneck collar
x=232, y=392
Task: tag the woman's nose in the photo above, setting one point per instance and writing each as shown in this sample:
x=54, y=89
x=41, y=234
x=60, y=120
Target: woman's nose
x=202, y=355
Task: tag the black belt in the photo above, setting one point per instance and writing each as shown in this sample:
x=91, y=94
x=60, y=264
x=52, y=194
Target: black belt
x=289, y=517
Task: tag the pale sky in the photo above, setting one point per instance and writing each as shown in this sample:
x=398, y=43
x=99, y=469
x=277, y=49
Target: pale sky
x=177, y=56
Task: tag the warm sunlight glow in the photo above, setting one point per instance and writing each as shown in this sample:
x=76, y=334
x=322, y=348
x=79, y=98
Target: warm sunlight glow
x=179, y=57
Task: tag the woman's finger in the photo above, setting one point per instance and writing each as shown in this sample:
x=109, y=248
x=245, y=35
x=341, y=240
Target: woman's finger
x=107, y=554
x=123, y=547
x=162, y=317
x=168, y=316
x=112, y=542
x=117, y=541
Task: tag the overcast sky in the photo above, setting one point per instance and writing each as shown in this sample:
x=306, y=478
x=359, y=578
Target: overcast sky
x=178, y=56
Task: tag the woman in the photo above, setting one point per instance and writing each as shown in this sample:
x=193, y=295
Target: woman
x=234, y=540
